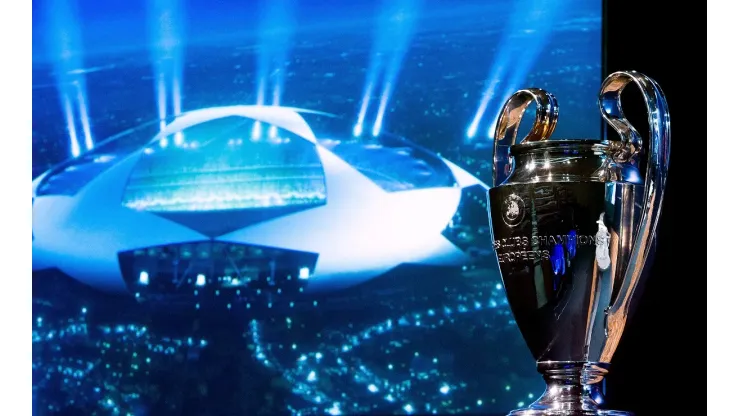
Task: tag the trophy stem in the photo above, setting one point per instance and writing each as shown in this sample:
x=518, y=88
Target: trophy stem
x=573, y=389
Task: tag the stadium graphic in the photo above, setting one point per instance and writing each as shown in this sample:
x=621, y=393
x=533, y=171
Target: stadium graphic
x=278, y=207
x=203, y=203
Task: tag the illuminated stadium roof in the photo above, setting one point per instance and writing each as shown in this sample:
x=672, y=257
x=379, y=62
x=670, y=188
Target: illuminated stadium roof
x=360, y=207
x=393, y=163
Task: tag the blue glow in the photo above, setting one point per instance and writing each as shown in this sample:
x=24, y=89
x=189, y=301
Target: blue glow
x=387, y=90
x=514, y=56
x=472, y=129
x=492, y=128
x=571, y=244
x=144, y=278
x=275, y=36
x=84, y=118
x=491, y=85
x=396, y=26
x=161, y=101
x=612, y=191
x=125, y=353
x=557, y=258
x=166, y=40
x=176, y=94
x=256, y=130
x=65, y=41
x=368, y=92
x=277, y=91
x=378, y=122
x=261, y=86
x=339, y=364
x=334, y=411
x=235, y=180
x=359, y=339
x=74, y=144
x=538, y=17
x=200, y=280
x=357, y=130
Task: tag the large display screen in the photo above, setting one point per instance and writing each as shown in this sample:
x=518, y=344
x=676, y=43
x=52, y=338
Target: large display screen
x=279, y=207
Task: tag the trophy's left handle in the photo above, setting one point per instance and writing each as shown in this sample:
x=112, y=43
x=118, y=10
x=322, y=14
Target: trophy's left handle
x=507, y=125
x=630, y=147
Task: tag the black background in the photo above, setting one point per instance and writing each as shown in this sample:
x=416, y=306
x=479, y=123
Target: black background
x=659, y=368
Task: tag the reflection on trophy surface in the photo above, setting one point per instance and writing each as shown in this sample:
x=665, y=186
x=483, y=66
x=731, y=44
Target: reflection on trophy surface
x=573, y=222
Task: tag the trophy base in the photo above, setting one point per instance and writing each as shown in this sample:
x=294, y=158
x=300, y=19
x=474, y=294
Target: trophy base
x=573, y=389
x=559, y=412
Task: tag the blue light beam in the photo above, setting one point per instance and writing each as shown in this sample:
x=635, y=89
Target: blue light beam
x=166, y=40
x=162, y=101
x=534, y=28
x=84, y=117
x=396, y=30
x=494, y=79
x=261, y=86
x=275, y=36
x=523, y=39
x=66, y=50
x=74, y=144
x=370, y=81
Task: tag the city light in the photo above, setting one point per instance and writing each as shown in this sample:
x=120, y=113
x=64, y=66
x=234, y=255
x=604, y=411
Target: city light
x=144, y=278
x=200, y=280
x=304, y=273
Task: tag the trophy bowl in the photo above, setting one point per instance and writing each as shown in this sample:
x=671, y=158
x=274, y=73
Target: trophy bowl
x=573, y=223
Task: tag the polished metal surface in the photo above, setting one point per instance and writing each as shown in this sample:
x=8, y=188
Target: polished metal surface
x=507, y=125
x=572, y=224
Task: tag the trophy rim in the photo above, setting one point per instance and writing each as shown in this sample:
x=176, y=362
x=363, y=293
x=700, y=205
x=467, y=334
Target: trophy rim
x=559, y=145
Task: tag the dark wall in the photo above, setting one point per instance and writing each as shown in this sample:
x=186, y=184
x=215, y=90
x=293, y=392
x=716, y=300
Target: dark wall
x=659, y=366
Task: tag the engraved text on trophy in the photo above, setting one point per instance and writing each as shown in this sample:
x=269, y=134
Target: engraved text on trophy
x=516, y=249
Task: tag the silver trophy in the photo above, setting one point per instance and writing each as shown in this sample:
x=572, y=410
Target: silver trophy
x=573, y=223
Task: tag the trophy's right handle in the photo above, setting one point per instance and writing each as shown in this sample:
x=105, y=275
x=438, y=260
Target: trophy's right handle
x=654, y=179
x=507, y=125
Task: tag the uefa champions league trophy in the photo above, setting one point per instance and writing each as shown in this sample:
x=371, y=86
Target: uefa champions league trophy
x=572, y=223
